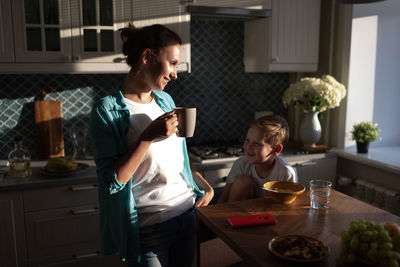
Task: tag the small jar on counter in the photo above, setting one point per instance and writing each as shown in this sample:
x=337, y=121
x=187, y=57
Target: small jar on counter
x=19, y=160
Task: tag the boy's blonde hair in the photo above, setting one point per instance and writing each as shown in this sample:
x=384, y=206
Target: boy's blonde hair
x=275, y=129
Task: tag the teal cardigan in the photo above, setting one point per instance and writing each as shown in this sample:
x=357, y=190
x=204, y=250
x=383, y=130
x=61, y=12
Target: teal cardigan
x=109, y=123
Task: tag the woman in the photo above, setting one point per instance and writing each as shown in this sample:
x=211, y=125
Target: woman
x=146, y=188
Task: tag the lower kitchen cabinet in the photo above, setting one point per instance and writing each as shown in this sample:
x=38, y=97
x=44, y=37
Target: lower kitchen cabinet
x=324, y=169
x=12, y=230
x=52, y=226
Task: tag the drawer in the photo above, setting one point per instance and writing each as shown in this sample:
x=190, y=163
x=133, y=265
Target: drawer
x=62, y=231
x=85, y=258
x=60, y=197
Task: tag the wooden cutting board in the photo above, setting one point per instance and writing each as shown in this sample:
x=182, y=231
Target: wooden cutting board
x=49, y=129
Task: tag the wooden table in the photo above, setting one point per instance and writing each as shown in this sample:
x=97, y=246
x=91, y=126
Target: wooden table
x=251, y=243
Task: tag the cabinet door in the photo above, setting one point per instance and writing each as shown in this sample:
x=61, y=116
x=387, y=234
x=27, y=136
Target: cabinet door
x=42, y=30
x=324, y=169
x=6, y=38
x=288, y=41
x=295, y=35
x=12, y=231
x=95, y=25
x=62, y=231
x=169, y=13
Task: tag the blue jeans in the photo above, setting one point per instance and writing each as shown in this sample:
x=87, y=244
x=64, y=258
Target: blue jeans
x=171, y=243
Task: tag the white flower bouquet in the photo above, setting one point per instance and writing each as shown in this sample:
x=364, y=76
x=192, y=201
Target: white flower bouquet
x=315, y=94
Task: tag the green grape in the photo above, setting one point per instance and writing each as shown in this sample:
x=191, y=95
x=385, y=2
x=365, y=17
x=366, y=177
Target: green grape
x=383, y=253
x=379, y=227
x=345, y=235
x=366, y=236
x=394, y=255
x=396, y=243
x=393, y=263
x=374, y=234
x=370, y=224
x=387, y=245
x=354, y=243
x=373, y=255
x=353, y=228
x=374, y=245
x=383, y=236
x=364, y=247
x=361, y=227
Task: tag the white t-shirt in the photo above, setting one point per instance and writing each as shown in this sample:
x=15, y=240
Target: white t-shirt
x=282, y=171
x=159, y=190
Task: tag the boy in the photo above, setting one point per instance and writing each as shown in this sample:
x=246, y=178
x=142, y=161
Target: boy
x=264, y=142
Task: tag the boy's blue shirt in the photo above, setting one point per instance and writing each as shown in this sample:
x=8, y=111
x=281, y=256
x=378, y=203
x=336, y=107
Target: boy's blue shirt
x=109, y=123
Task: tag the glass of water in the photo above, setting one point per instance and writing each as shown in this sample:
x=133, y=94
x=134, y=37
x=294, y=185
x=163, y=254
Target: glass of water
x=320, y=191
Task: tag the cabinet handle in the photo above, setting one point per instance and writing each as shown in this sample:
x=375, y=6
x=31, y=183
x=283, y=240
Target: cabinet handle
x=88, y=255
x=77, y=58
x=274, y=59
x=84, y=211
x=83, y=187
x=311, y=163
x=67, y=58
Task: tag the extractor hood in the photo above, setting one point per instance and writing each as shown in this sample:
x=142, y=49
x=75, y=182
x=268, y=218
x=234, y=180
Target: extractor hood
x=231, y=13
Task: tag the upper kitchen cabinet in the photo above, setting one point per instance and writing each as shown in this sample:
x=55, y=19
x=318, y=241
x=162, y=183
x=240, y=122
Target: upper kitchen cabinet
x=71, y=34
x=81, y=36
x=288, y=41
x=170, y=13
x=6, y=35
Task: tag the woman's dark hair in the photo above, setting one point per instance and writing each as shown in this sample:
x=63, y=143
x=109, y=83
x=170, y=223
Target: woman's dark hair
x=136, y=40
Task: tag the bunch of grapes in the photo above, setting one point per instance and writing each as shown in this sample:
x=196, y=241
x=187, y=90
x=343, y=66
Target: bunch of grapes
x=368, y=242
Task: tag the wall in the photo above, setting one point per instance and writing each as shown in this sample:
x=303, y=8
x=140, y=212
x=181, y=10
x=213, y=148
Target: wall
x=374, y=79
x=226, y=97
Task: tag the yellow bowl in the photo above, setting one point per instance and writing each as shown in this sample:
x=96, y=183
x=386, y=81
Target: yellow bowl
x=284, y=192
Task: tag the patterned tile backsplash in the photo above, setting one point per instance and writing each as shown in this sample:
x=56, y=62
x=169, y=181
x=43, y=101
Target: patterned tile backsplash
x=225, y=96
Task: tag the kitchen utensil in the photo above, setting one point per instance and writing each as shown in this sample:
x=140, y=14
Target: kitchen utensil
x=49, y=129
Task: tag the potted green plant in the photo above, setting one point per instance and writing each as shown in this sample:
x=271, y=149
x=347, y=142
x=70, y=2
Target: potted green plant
x=364, y=133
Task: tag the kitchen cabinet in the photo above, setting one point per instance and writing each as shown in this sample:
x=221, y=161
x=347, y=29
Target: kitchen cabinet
x=76, y=36
x=12, y=230
x=52, y=226
x=323, y=169
x=170, y=13
x=288, y=41
x=6, y=37
x=67, y=36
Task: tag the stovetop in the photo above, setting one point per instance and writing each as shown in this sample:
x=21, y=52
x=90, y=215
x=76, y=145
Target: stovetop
x=223, y=153
x=215, y=153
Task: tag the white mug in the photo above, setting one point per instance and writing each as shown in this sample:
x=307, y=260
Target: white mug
x=186, y=121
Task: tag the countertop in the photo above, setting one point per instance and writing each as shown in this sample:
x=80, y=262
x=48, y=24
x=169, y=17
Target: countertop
x=386, y=158
x=40, y=179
